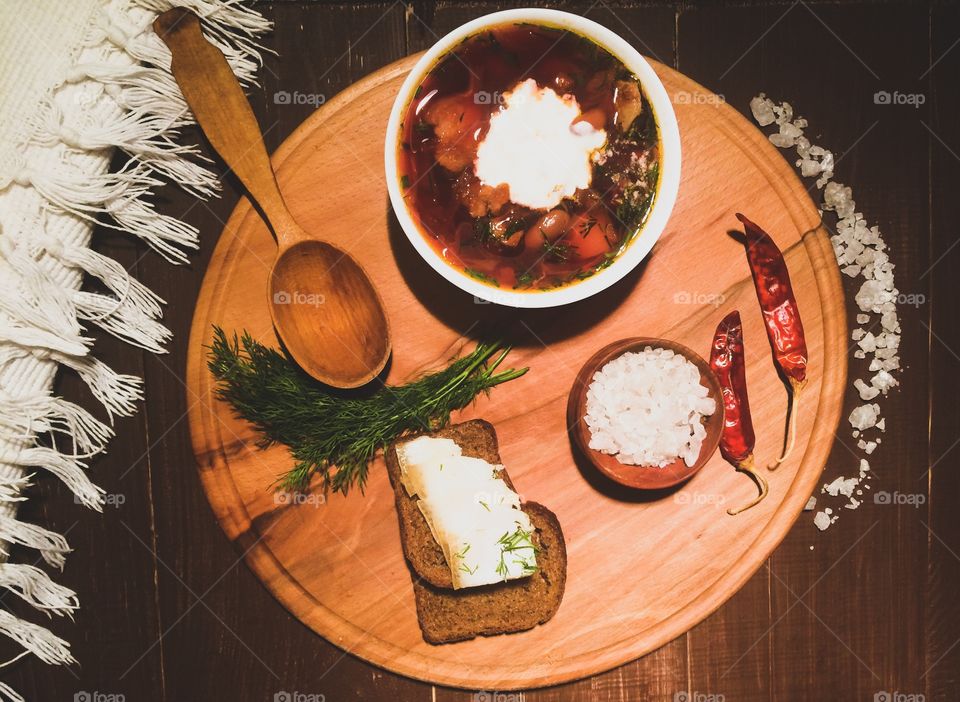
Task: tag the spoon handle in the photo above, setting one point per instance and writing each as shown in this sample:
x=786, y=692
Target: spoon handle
x=223, y=112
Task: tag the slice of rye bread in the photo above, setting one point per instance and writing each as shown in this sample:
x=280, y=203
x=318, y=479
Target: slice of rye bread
x=448, y=615
x=516, y=605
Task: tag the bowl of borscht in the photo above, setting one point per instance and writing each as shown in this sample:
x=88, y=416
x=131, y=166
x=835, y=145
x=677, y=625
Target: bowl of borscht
x=532, y=157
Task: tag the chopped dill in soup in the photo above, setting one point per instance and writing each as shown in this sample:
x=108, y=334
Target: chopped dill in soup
x=529, y=157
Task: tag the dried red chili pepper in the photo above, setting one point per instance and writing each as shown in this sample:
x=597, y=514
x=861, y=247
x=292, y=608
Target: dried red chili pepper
x=781, y=317
x=737, y=440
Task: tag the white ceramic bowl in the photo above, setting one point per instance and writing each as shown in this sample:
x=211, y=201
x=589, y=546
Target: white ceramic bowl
x=669, y=179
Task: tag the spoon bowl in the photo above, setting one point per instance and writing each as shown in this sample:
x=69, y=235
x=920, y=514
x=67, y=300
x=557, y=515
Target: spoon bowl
x=344, y=319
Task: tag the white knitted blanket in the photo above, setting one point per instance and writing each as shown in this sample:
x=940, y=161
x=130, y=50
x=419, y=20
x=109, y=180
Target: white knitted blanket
x=80, y=79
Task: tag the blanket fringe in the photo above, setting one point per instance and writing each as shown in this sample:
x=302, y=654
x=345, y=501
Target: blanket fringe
x=117, y=392
x=167, y=236
x=44, y=318
x=114, y=276
x=42, y=643
x=142, y=89
x=225, y=22
x=21, y=419
x=9, y=693
x=52, y=546
x=119, y=195
x=123, y=320
x=66, y=467
x=11, y=488
x=36, y=311
x=146, y=138
x=34, y=586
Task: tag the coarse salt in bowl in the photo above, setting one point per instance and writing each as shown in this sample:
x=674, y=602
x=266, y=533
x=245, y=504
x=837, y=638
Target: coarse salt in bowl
x=647, y=408
x=628, y=421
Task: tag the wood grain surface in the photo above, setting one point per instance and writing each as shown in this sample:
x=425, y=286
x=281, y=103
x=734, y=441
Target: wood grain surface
x=336, y=563
x=170, y=612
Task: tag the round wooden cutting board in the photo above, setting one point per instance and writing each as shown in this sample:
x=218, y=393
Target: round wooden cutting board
x=643, y=568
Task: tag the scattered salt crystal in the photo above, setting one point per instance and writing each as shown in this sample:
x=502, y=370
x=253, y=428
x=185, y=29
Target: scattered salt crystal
x=867, y=392
x=871, y=295
x=811, y=503
x=840, y=486
x=839, y=198
x=809, y=167
x=862, y=254
x=883, y=381
x=781, y=140
x=864, y=416
x=762, y=110
x=783, y=111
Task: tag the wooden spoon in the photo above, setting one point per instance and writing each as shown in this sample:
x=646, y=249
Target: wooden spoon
x=323, y=305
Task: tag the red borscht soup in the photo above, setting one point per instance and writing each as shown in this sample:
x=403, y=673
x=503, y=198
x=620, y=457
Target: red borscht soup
x=529, y=157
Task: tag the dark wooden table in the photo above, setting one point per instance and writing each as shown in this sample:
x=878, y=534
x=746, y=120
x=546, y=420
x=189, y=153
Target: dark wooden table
x=170, y=612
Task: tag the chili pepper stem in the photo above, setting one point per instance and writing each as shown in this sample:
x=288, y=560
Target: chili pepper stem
x=747, y=466
x=791, y=439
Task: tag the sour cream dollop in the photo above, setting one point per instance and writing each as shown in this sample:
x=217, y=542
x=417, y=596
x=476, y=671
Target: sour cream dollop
x=534, y=146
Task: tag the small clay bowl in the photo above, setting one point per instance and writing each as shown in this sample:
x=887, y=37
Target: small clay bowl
x=642, y=477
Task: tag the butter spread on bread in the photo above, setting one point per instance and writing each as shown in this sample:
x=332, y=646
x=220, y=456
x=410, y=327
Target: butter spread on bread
x=472, y=513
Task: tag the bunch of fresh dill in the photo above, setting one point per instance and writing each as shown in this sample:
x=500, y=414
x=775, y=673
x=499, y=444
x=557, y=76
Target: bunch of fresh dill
x=337, y=434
